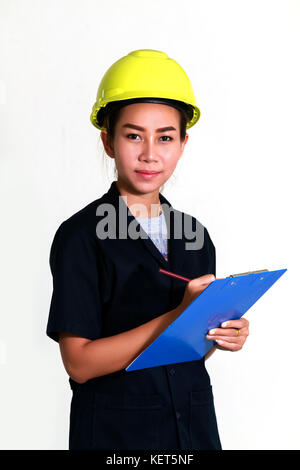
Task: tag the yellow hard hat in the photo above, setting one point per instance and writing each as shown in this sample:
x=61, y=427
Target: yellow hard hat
x=142, y=74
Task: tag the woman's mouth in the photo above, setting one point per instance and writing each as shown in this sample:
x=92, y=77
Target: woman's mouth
x=147, y=174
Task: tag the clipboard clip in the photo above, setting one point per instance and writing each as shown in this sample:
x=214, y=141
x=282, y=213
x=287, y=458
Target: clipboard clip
x=249, y=272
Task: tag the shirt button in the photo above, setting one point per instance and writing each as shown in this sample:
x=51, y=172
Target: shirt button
x=177, y=415
x=172, y=371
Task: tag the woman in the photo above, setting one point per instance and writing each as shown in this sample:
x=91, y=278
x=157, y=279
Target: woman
x=109, y=299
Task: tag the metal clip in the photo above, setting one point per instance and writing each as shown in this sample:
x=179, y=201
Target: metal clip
x=250, y=272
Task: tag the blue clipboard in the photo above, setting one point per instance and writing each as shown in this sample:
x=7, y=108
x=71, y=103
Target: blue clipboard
x=223, y=299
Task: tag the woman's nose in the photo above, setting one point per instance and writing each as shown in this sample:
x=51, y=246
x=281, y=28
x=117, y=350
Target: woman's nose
x=148, y=150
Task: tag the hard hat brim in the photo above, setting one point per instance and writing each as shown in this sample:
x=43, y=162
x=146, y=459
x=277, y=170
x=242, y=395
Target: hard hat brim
x=99, y=112
x=110, y=107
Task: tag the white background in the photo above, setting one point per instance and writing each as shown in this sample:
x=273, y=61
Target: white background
x=239, y=176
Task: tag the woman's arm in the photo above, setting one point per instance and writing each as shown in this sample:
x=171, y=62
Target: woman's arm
x=85, y=359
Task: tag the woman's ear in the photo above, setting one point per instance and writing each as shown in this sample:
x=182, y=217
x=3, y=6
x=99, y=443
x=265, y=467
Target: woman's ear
x=107, y=143
x=183, y=144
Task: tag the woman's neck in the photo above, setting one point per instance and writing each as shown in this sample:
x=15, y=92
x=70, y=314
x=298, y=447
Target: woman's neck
x=148, y=203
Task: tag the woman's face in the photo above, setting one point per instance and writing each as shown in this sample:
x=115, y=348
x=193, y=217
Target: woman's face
x=147, y=138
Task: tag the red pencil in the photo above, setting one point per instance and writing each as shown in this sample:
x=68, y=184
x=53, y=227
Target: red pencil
x=174, y=275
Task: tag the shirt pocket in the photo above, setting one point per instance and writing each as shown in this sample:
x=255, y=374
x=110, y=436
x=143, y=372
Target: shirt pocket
x=126, y=421
x=203, y=423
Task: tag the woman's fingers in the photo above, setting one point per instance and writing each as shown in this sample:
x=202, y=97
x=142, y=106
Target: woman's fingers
x=232, y=343
x=231, y=328
x=231, y=346
x=232, y=333
x=241, y=323
x=228, y=339
x=226, y=331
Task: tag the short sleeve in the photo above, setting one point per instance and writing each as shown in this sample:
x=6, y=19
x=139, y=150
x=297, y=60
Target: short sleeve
x=211, y=253
x=76, y=305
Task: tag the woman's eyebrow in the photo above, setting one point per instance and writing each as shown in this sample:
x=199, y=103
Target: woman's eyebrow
x=139, y=128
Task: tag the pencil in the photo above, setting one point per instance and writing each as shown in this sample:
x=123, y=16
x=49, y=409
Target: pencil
x=174, y=275
x=178, y=275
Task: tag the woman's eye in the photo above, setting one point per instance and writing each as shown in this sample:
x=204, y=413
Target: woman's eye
x=163, y=136
x=130, y=135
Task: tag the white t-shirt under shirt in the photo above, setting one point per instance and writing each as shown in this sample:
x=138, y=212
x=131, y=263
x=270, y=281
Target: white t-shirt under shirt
x=157, y=230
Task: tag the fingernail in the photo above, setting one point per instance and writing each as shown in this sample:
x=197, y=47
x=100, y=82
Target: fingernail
x=211, y=332
x=219, y=341
x=224, y=324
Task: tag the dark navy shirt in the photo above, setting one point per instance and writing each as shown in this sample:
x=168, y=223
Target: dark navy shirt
x=105, y=286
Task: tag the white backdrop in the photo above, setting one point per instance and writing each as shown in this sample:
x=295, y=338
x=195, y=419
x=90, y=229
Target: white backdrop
x=239, y=176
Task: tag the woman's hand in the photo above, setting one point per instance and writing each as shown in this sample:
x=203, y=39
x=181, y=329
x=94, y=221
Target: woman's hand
x=193, y=288
x=232, y=334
